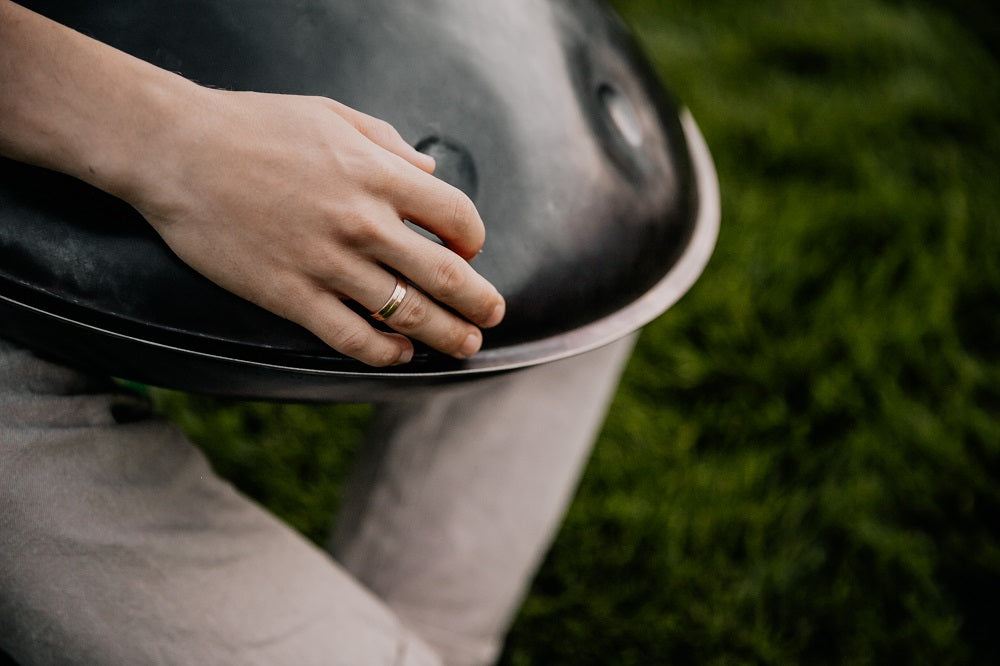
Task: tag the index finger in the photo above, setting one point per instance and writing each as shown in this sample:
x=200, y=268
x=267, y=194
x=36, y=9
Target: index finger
x=443, y=210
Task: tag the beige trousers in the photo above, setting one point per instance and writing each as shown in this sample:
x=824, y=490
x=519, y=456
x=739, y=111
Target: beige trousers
x=118, y=545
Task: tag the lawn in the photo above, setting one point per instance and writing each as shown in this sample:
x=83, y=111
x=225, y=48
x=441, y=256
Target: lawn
x=801, y=465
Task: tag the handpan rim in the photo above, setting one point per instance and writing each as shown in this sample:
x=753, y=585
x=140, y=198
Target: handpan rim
x=244, y=377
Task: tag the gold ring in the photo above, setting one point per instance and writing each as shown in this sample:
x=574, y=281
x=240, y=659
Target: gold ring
x=391, y=305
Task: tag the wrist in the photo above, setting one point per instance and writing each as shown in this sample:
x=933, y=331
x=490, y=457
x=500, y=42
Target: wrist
x=136, y=154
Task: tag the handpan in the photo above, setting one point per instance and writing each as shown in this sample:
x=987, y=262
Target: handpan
x=598, y=194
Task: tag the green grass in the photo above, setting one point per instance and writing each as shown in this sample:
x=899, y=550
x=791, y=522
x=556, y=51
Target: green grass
x=802, y=463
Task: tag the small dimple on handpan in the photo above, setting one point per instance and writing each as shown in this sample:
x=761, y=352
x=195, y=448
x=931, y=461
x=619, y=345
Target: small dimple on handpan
x=453, y=163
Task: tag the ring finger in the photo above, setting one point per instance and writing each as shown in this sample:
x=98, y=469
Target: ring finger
x=444, y=276
x=416, y=315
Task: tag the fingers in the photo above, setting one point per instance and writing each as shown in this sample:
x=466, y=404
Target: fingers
x=447, y=301
x=350, y=334
x=427, y=201
x=421, y=318
x=444, y=276
x=385, y=135
x=443, y=273
x=319, y=308
x=443, y=210
x=417, y=317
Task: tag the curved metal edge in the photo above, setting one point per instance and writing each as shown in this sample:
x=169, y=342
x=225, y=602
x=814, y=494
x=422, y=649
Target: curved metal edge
x=664, y=294
x=655, y=302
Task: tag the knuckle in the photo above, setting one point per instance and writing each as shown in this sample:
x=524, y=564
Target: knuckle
x=364, y=344
x=352, y=342
x=381, y=176
x=382, y=357
x=384, y=133
x=412, y=314
x=461, y=208
x=465, y=219
x=484, y=310
x=322, y=101
x=360, y=230
x=449, y=277
x=458, y=337
x=335, y=106
x=377, y=130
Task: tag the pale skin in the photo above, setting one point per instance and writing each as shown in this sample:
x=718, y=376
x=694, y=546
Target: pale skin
x=294, y=203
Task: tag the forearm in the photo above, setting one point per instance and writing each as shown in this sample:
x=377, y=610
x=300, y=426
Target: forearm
x=73, y=104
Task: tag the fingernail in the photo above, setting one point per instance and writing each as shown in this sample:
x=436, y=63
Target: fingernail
x=470, y=346
x=405, y=357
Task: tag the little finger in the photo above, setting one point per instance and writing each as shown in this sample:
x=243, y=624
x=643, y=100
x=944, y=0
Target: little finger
x=338, y=326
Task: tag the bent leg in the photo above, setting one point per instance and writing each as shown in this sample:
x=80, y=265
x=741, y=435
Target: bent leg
x=460, y=491
x=118, y=545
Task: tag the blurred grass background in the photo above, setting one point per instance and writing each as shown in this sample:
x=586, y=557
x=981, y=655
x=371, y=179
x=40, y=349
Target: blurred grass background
x=802, y=463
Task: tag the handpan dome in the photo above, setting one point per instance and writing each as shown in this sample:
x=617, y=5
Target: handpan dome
x=598, y=194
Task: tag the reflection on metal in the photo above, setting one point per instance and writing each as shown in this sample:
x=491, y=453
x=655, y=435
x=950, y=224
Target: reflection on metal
x=598, y=193
x=622, y=114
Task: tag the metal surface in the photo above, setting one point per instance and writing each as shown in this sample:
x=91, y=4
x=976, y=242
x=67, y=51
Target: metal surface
x=599, y=196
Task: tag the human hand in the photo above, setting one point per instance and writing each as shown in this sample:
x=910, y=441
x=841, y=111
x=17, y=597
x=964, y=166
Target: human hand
x=296, y=204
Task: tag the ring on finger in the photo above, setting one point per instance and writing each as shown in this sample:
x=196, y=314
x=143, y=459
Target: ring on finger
x=391, y=305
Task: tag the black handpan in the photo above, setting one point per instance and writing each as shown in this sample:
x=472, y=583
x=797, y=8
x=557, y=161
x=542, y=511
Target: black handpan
x=598, y=194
